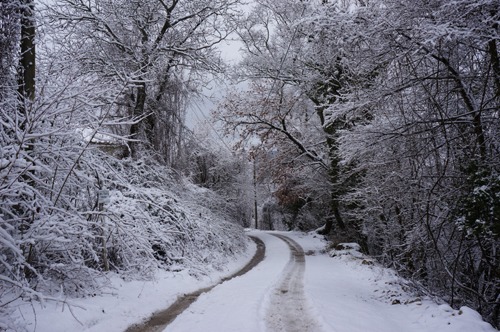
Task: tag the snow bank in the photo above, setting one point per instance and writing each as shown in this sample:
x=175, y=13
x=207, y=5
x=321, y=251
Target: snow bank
x=350, y=292
x=121, y=303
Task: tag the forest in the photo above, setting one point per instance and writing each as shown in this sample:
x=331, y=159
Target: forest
x=376, y=122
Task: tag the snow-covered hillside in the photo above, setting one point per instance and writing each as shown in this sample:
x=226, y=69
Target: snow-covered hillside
x=156, y=224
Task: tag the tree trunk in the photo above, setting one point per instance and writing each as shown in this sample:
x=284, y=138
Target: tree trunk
x=333, y=173
x=255, y=196
x=26, y=68
x=494, y=58
x=26, y=96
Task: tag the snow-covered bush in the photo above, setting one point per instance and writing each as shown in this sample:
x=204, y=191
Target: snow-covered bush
x=56, y=239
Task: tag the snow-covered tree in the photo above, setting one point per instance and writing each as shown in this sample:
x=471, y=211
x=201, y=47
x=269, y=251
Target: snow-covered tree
x=299, y=56
x=56, y=122
x=157, y=48
x=406, y=94
x=430, y=148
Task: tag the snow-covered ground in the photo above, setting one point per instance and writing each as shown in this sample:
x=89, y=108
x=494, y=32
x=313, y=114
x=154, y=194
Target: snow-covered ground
x=123, y=303
x=349, y=296
x=341, y=293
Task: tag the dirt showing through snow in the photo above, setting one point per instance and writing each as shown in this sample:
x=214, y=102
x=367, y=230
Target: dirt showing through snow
x=287, y=307
x=158, y=321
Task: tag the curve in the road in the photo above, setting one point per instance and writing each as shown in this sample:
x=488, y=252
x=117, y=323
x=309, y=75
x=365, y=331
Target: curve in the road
x=287, y=305
x=161, y=319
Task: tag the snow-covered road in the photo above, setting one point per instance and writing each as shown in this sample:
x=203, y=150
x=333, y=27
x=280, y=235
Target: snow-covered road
x=271, y=297
x=297, y=287
x=290, y=291
x=287, y=310
x=242, y=303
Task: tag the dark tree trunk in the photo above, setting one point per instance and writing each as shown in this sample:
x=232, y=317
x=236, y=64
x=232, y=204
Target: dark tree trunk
x=26, y=68
x=26, y=95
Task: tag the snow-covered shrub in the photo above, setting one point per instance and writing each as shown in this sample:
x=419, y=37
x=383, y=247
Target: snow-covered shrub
x=153, y=215
x=56, y=239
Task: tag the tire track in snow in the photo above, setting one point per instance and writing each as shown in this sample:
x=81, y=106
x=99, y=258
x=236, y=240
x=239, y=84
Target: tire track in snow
x=159, y=320
x=287, y=304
